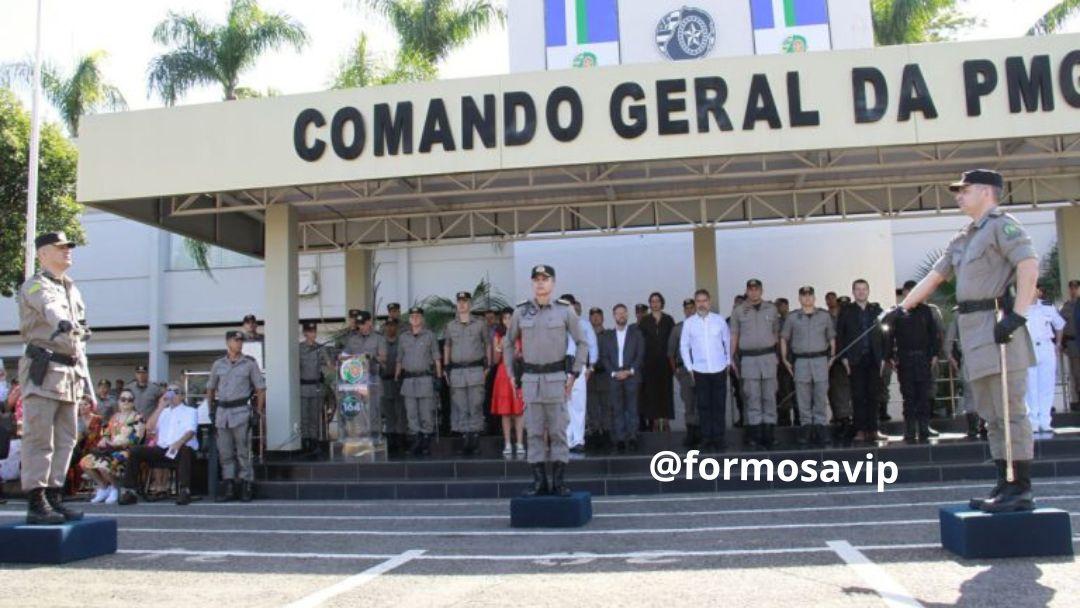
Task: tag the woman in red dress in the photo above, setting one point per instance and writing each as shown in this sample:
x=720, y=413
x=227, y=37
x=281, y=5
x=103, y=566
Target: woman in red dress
x=505, y=400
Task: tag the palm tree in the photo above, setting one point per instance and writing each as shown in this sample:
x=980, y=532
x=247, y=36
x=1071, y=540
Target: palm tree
x=912, y=21
x=204, y=53
x=1053, y=19
x=431, y=29
x=360, y=69
x=439, y=310
x=84, y=91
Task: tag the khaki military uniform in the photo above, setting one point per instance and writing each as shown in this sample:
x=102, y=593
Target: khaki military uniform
x=543, y=331
x=146, y=397
x=374, y=346
x=952, y=349
x=392, y=403
x=417, y=354
x=313, y=359
x=468, y=344
x=234, y=381
x=983, y=258
x=683, y=377
x=49, y=413
x=757, y=328
x=810, y=339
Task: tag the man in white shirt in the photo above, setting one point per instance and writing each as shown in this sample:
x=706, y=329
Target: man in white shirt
x=706, y=352
x=1045, y=325
x=575, y=429
x=174, y=424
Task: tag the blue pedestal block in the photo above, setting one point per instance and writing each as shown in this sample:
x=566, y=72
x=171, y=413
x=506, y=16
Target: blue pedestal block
x=60, y=544
x=571, y=511
x=972, y=534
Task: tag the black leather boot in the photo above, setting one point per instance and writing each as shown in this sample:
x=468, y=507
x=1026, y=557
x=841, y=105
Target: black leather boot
x=3, y=499
x=558, y=483
x=1015, y=496
x=911, y=428
x=540, y=482
x=692, y=439
x=977, y=503
x=972, y=425
x=426, y=445
x=38, y=510
x=225, y=491
x=752, y=435
x=924, y=430
x=821, y=435
x=417, y=447
x=768, y=436
x=803, y=435
x=55, y=496
x=247, y=491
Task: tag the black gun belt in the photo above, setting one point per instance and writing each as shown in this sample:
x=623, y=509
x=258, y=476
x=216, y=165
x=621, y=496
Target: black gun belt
x=34, y=352
x=757, y=352
x=817, y=355
x=466, y=365
x=309, y=382
x=972, y=306
x=545, y=368
x=406, y=375
x=234, y=403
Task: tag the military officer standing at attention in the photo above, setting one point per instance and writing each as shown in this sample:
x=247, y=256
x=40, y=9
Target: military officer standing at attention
x=393, y=313
x=250, y=329
x=913, y=345
x=755, y=328
x=598, y=415
x=146, y=393
x=418, y=364
x=233, y=379
x=362, y=339
x=987, y=257
x=543, y=323
x=467, y=353
x=809, y=336
x=314, y=358
x=54, y=376
x=576, y=402
x=1046, y=327
x=685, y=379
x=393, y=405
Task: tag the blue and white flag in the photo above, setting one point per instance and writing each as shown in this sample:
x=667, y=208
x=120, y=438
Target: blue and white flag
x=790, y=26
x=581, y=33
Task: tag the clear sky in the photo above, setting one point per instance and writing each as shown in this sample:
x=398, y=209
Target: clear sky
x=123, y=28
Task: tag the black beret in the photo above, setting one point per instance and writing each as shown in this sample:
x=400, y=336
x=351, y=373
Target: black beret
x=986, y=177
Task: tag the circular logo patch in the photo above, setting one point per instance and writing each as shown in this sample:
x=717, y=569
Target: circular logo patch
x=353, y=370
x=351, y=406
x=795, y=44
x=586, y=60
x=687, y=33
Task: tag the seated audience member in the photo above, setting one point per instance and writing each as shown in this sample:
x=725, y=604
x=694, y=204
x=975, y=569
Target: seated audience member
x=106, y=400
x=87, y=434
x=174, y=424
x=106, y=462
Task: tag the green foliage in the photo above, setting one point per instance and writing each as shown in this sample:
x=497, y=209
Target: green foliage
x=56, y=207
x=439, y=310
x=914, y=21
x=945, y=296
x=1053, y=19
x=204, y=53
x=431, y=29
x=74, y=95
x=1050, y=275
x=360, y=69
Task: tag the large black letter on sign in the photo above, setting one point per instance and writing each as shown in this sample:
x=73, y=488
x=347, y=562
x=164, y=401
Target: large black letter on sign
x=1067, y=77
x=980, y=79
x=711, y=104
x=639, y=118
x=315, y=151
x=915, y=95
x=1039, y=84
x=798, y=116
x=399, y=128
x=513, y=135
x=558, y=97
x=860, y=77
x=337, y=133
x=760, y=104
x=472, y=120
x=437, y=128
x=666, y=106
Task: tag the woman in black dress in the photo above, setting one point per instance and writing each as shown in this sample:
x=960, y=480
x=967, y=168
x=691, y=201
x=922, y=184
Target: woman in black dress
x=657, y=404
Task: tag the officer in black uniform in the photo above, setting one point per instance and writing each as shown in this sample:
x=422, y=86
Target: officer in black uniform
x=912, y=346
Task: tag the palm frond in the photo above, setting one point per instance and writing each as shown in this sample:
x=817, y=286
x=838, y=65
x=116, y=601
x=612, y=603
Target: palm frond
x=200, y=255
x=945, y=296
x=1053, y=19
x=173, y=74
x=440, y=310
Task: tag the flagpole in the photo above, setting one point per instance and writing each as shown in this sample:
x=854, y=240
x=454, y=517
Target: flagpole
x=35, y=137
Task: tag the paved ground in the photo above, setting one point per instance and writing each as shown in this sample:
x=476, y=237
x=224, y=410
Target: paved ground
x=841, y=547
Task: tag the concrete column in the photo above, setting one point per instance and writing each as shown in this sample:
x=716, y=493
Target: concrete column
x=158, y=330
x=358, y=287
x=404, y=278
x=1068, y=233
x=706, y=273
x=281, y=354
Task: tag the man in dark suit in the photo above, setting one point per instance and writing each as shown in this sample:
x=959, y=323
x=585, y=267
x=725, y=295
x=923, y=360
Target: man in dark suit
x=622, y=352
x=860, y=338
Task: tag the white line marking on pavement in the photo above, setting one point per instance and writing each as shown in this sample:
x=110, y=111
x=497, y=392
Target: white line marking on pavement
x=216, y=516
x=354, y=581
x=894, y=594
